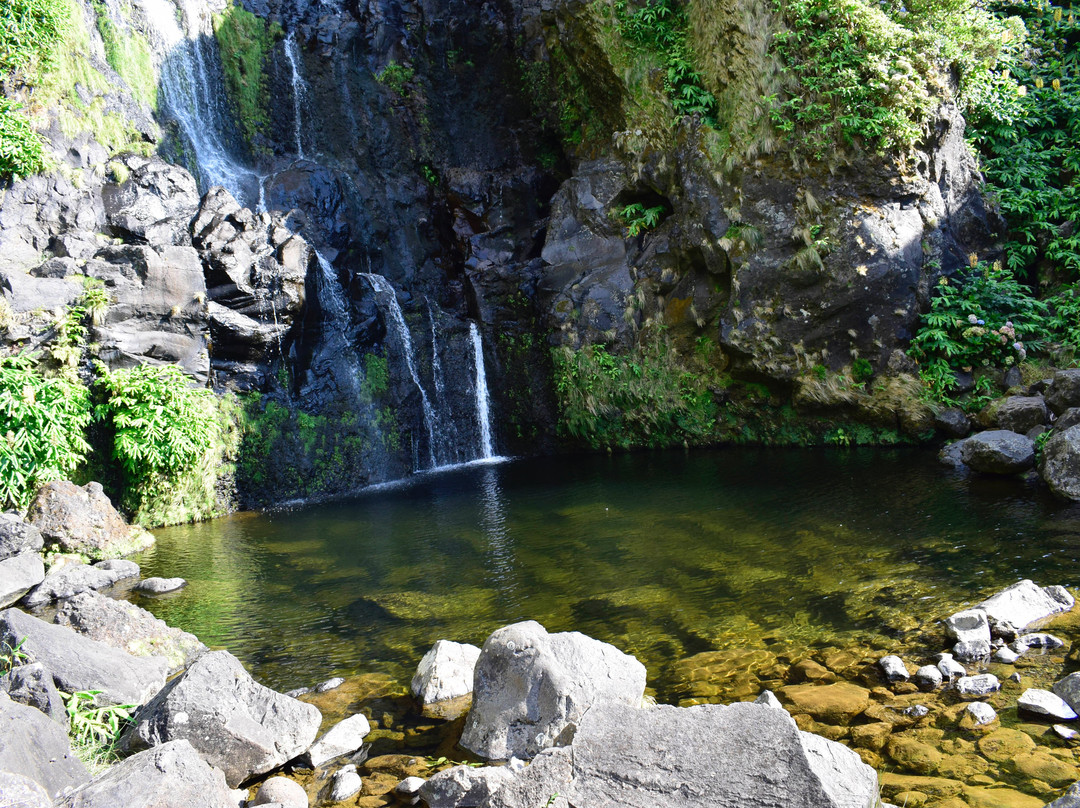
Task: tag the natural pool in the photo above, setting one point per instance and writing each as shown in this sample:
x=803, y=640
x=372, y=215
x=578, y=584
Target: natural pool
x=665, y=554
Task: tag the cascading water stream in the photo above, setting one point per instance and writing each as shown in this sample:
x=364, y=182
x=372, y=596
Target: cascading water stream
x=189, y=96
x=482, y=399
x=396, y=323
x=299, y=86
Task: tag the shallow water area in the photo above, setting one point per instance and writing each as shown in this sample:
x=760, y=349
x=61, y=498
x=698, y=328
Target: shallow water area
x=726, y=572
x=665, y=554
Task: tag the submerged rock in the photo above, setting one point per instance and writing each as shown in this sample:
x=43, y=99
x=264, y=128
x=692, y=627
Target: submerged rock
x=709, y=755
x=232, y=721
x=82, y=520
x=977, y=686
x=532, y=685
x=445, y=672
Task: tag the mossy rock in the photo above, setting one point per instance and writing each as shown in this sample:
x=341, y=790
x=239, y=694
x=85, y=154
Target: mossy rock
x=1000, y=798
x=913, y=755
x=892, y=784
x=831, y=704
x=1039, y=765
x=1002, y=745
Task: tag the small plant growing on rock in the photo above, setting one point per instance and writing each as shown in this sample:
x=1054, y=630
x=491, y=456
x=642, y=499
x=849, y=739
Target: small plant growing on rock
x=94, y=729
x=11, y=656
x=639, y=218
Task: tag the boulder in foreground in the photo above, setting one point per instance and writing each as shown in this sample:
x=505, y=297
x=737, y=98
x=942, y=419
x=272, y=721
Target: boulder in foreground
x=233, y=722
x=530, y=686
x=35, y=746
x=168, y=776
x=710, y=755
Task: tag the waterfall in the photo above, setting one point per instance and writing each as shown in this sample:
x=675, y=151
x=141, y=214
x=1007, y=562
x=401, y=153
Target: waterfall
x=299, y=90
x=396, y=323
x=191, y=95
x=482, y=400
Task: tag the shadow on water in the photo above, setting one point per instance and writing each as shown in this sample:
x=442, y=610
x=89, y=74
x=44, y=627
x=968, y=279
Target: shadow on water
x=665, y=554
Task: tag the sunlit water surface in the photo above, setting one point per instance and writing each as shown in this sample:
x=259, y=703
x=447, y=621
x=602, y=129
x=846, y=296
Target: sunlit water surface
x=666, y=555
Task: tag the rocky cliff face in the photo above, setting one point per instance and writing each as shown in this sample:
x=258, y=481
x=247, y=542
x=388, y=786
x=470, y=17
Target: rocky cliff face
x=428, y=165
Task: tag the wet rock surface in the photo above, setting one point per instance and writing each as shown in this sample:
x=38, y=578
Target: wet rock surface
x=83, y=520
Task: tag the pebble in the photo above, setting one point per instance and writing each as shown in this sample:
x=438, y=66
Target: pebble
x=1041, y=640
x=949, y=667
x=1043, y=702
x=298, y=692
x=408, y=790
x=982, y=713
x=982, y=685
x=346, y=782
x=917, y=710
x=329, y=684
x=928, y=677
x=1006, y=655
x=159, y=586
x=894, y=668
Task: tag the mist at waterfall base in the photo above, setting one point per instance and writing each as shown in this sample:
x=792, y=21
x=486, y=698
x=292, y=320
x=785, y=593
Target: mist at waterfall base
x=664, y=554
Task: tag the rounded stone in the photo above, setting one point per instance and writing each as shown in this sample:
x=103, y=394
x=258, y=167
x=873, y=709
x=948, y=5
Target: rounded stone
x=1003, y=745
x=998, y=451
x=282, y=790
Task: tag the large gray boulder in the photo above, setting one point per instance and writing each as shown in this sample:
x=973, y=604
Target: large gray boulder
x=1021, y=413
x=233, y=722
x=530, y=686
x=998, y=451
x=1070, y=799
x=1069, y=690
x=1059, y=463
x=35, y=746
x=464, y=786
x=125, y=626
x=1025, y=603
x=1064, y=391
x=168, y=776
x=709, y=755
x=82, y=520
x=73, y=579
x=18, y=536
x=32, y=685
x=18, y=575
x=79, y=663
x=445, y=672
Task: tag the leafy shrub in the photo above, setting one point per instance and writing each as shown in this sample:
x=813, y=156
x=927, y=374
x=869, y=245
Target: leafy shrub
x=170, y=440
x=1025, y=124
x=22, y=149
x=660, y=27
x=95, y=730
x=396, y=77
x=45, y=419
x=984, y=318
x=28, y=30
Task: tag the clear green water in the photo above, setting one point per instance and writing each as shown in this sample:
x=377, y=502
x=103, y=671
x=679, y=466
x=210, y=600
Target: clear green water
x=666, y=555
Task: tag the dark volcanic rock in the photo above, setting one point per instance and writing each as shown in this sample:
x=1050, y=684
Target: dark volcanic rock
x=1059, y=463
x=154, y=205
x=998, y=452
x=83, y=520
x=72, y=579
x=1021, y=413
x=35, y=746
x=171, y=775
x=233, y=722
x=1064, y=391
x=78, y=663
x=953, y=422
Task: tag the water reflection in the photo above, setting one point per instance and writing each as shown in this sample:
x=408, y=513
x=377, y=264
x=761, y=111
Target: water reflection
x=664, y=554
